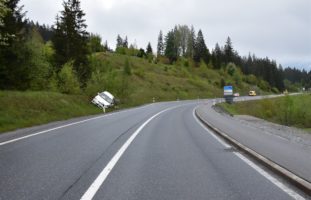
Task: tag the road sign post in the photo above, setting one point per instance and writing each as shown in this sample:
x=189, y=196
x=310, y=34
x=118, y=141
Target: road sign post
x=228, y=94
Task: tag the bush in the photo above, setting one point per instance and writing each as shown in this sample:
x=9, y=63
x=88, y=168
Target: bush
x=68, y=81
x=231, y=68
x=95, y=84
x=121, y=50
x=251, y=79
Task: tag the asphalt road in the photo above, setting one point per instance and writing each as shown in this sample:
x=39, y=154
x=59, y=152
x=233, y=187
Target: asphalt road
x=170, y=156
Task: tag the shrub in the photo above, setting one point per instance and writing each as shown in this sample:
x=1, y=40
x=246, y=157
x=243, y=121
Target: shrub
x=231, y=68
x=68, y=82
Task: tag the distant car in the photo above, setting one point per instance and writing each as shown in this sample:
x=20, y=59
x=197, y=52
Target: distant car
x=236, y=94
x=104, y=100
x=252, y=93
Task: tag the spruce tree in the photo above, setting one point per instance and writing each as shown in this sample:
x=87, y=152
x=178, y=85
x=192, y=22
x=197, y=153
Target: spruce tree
x=119, y=42
x=200, y=51
x=160, y=47
x=70, y=40
x=14, y=54
x=125, y=43
x=149, y=49
x=217, y=56
x=228, y=50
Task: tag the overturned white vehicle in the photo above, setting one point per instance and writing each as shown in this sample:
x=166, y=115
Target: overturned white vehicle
x=104, y=100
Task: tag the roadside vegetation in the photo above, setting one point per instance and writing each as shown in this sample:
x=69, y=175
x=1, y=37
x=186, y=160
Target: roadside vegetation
x=24, y=109
x=288, y=110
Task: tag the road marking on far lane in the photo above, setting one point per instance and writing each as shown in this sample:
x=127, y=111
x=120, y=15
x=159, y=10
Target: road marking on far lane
x=52, y=129
x=92, y=190
x=261, y=171
x=64, y=126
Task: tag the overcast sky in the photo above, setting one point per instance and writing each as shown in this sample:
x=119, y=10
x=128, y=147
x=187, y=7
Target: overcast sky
x=279, y=29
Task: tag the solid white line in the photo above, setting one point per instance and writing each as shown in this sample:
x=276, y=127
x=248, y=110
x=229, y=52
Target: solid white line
x=91, y=191
x=52, y=129
x=276, y=182
x=210, y=132
x=71, y=124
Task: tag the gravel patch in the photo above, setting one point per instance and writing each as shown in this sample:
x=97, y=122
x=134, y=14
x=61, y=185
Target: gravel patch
x=291, y=134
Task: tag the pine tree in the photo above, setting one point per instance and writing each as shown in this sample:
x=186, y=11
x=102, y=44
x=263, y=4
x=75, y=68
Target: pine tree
x=200, y=51
x=12, y=21
x=14, y=54
x=160, y=47
x=228, y=50
x=125, y=43
x=70, y=40
x=119, y=42
x=217, y=57
x=149, y=49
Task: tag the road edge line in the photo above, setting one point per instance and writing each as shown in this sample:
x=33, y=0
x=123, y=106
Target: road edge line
x=35, y=133
x=301, y=183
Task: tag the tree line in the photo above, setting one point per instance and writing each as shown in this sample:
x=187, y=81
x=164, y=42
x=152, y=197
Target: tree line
x=183, y=41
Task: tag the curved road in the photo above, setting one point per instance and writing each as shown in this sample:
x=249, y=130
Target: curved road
x=159, y=151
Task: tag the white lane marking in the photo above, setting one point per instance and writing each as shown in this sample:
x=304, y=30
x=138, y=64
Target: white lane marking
x=283, y=187
x=265, y=174
x=210, y=132
x=59, y=127
x=52, y=129
x=92, y=190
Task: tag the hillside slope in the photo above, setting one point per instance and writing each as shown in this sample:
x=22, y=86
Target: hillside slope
x=148, y=80
x=134, y=81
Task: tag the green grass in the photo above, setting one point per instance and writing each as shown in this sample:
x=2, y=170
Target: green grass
x=289, y=110
x=24, y=109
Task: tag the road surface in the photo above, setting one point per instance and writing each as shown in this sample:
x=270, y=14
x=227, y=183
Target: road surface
x=159, y=151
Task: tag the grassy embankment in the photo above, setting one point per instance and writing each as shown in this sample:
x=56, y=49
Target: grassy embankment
x=289, y=110
x=24, y=109
x=147, y=81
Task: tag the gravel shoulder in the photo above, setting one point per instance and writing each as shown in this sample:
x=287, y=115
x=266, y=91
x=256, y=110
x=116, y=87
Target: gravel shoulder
x=291, y=134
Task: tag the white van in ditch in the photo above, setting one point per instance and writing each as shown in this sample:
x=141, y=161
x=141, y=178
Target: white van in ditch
x=104, y=100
